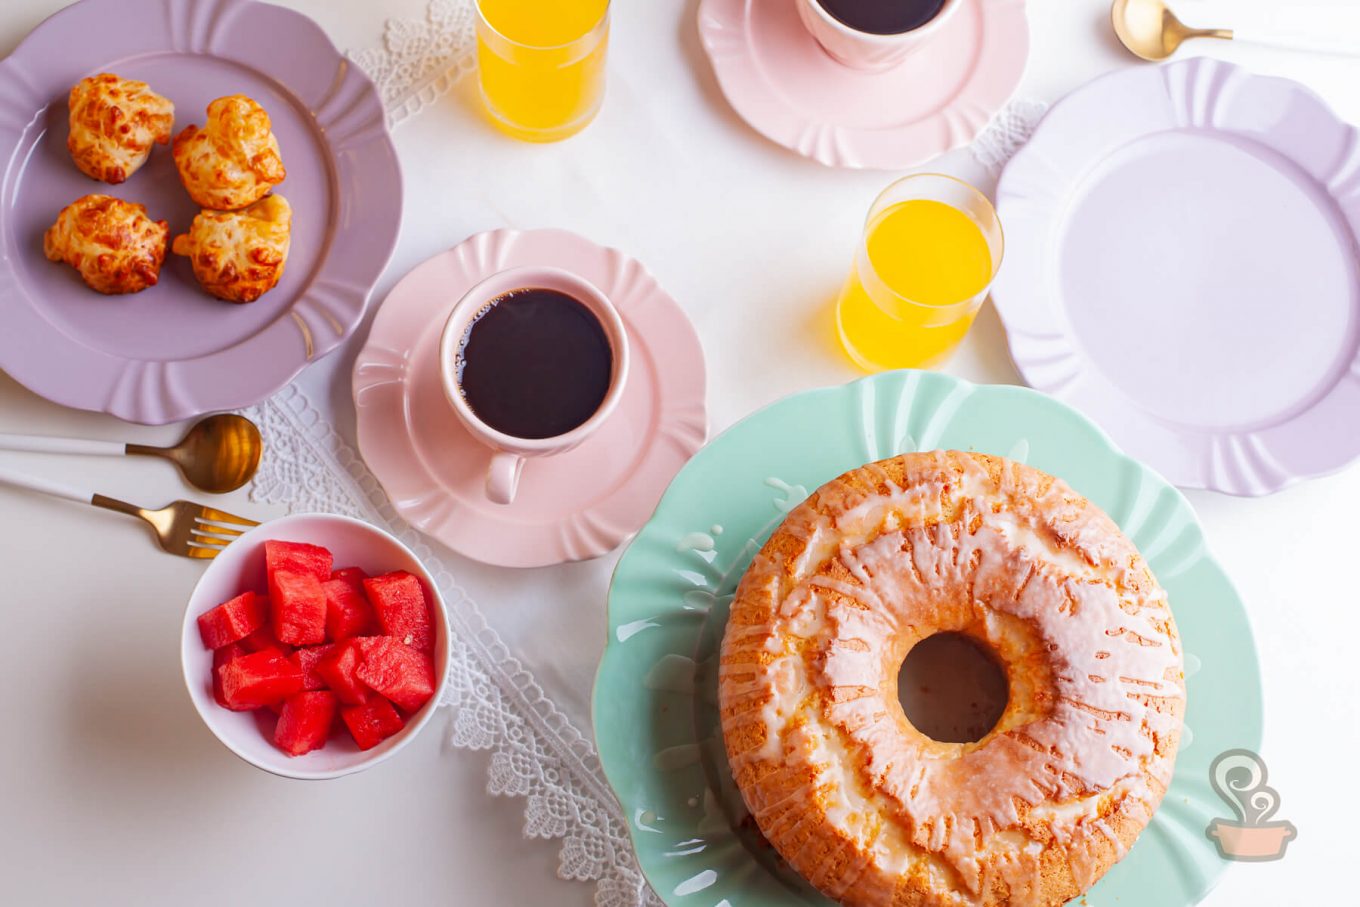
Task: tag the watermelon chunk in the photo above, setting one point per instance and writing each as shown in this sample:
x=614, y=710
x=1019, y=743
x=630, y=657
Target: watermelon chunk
x=371, y=723
x=299, y=608
x=353, y=575
x=348, y=613
x=339, y=671
x=397, y=671
x=231, y=621
x=259, y=679
x=305, y=722
x=296, y=557
x=403, y=609
x=307, y=659
x=220, y=657
x=263, y=639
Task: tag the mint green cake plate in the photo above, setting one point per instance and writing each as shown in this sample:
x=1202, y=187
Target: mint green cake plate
x=655, y=711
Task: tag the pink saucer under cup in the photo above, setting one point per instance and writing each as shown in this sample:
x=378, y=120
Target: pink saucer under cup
x=509, y=452
x=782, y=82
x=569, y=506
x=865, y=50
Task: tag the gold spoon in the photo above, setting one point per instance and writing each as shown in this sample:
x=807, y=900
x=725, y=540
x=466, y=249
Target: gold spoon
x=218, y=454
x=1151, y=31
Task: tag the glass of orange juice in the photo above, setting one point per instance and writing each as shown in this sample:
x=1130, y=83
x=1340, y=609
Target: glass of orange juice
x=541, y=64
x=932, y=245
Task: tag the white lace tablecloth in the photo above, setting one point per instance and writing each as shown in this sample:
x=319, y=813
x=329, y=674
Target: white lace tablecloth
x=753, y=241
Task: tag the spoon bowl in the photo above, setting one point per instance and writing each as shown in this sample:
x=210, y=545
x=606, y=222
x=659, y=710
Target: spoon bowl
x=217, y=455
x=1151, y=31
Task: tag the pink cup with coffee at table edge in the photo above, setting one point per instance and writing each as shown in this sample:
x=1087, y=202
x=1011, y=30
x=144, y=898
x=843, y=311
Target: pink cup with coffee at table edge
x=509, y=452
x=866, y=50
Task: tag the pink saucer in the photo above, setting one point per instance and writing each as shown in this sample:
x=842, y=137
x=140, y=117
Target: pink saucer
x=572, y=506
x=781, y=82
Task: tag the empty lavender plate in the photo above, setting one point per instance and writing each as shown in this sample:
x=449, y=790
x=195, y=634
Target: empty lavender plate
x=1181, y=266
x=172, y=351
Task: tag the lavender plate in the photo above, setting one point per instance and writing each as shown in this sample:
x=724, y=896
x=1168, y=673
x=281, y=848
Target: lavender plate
x=1182, y=267
x=172, y=352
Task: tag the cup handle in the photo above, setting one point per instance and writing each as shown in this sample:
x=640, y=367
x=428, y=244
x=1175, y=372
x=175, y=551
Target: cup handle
x=502, y=477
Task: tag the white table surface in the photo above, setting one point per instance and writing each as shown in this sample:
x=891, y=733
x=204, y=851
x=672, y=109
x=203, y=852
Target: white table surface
x=111, y=790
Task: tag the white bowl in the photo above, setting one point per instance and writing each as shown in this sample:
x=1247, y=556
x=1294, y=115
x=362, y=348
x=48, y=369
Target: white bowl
x=240, y=567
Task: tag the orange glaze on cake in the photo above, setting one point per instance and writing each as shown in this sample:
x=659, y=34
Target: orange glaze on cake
x=870, y=810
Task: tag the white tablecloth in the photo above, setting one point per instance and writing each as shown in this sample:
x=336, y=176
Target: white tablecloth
x=111, y=785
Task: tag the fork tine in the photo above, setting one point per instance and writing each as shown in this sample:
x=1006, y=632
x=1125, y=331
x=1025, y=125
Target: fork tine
x=221, y=516
x=204, y=536
x=199, y=537
x=204, y=526
x=201, y=552
x=210, y=538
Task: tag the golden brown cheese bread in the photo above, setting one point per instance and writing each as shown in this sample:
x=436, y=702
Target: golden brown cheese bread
x=114, y=123
x=239, y=255
x=233, y=161
x=113, y=244
x=869, y=809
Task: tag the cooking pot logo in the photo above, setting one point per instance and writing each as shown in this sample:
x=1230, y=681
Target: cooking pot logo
x=1239, y=778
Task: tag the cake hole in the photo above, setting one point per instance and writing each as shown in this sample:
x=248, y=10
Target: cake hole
x=952, y=688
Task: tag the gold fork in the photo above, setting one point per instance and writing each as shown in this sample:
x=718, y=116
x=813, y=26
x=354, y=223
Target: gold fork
x=183, y=528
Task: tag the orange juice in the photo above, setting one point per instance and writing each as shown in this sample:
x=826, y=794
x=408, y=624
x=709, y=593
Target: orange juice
x=918, y=281
x=541, y=64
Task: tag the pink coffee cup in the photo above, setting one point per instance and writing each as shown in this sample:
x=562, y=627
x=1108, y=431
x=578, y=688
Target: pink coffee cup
x=865, y=50
x=509, y=452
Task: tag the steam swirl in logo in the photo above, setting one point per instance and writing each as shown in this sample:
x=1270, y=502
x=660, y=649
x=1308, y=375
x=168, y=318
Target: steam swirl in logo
x=1239, y=777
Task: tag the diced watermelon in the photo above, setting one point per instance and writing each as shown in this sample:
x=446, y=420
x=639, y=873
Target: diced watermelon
x=348, y=613
x=324, y=647
x=397, y=671
x=350, y=574
x=339, y=671
x=307, y=659
x=231, y=621
x=220, y=657
x=299, y=608
x=296, y=557
x=305, y=722
x=371, y=723
x=263, y=640
x=259, y=679
x=403, y=609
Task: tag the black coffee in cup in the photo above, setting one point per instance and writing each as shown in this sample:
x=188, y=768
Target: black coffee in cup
x=883, y=17
x=535, y=363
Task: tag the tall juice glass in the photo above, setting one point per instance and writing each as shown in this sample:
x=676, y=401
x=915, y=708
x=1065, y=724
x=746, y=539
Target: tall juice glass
x=931, y=246
x=541, y=64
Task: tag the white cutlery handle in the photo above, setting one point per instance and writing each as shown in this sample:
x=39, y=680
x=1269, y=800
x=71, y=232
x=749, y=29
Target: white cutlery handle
x=1331, y=28
x=1340, y=43
x=46, y=486
x=41, y=444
